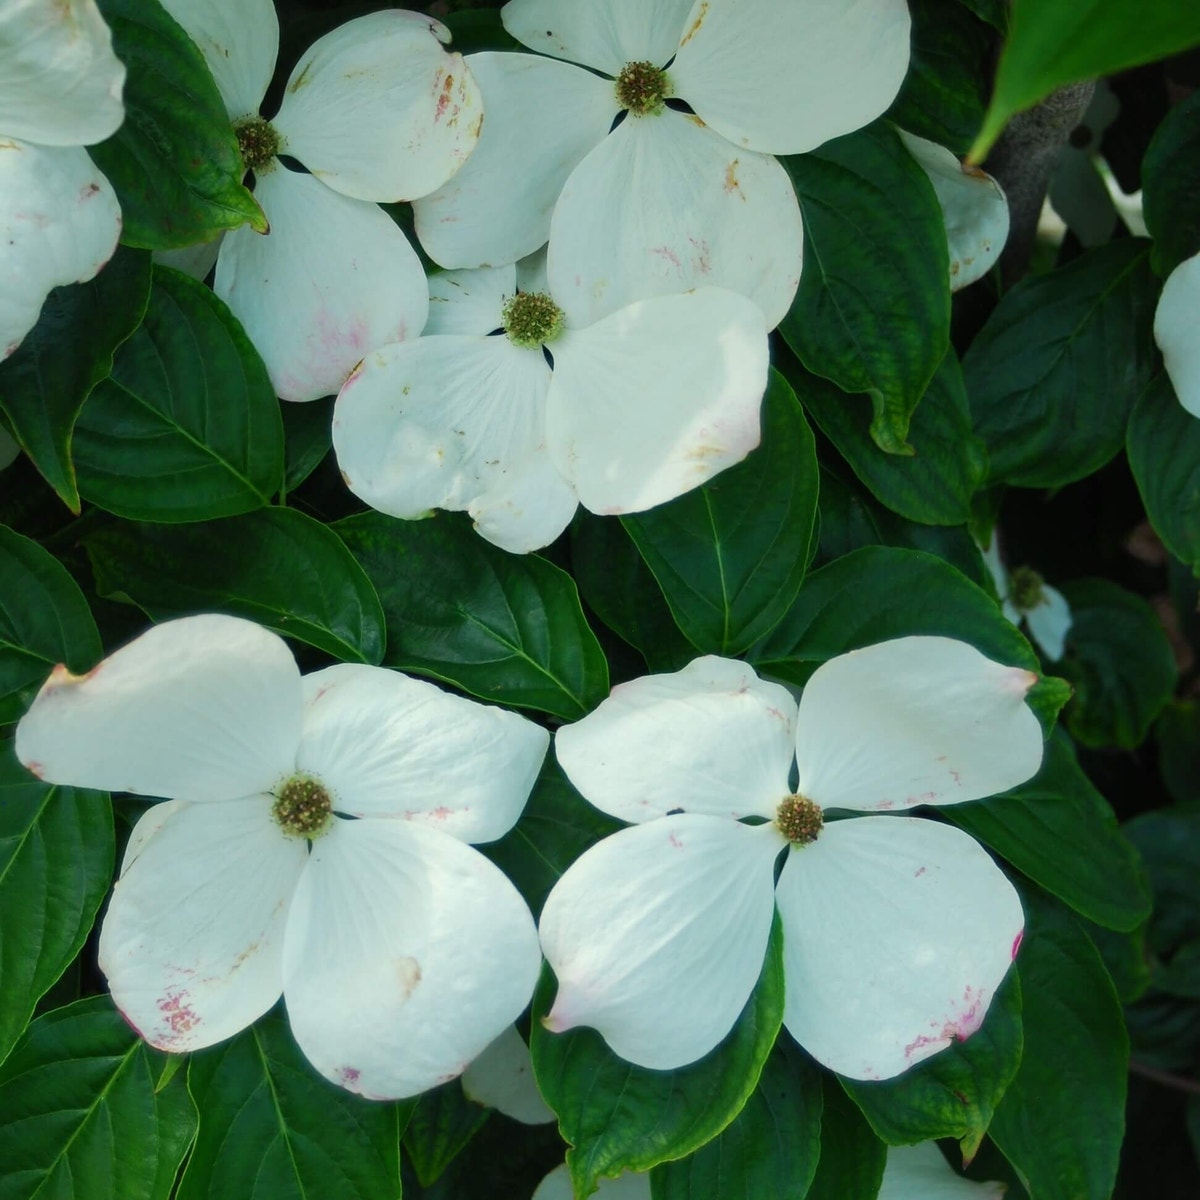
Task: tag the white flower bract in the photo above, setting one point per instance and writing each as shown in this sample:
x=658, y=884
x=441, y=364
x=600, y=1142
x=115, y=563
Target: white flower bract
x=1177, y=331
x=1048, y=616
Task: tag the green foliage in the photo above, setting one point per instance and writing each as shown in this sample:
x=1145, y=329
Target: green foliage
x=1170, y=181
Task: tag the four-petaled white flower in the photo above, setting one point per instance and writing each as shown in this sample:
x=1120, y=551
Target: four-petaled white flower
x=1026, y=596
x=1177, y=331
x=896, y=931
x=667, y=199
x=377, y=110
x=400, y=950
x=60, y=90
x=638, y=408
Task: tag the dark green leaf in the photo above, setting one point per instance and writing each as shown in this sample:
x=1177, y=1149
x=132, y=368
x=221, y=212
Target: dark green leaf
x=503, y=627
x=187, y=427
x=852, y=1157
x=1061, y=1121
x=175, y=162
x=479, y=29
x=306, y=439
x=1178, y=736
x=80, y=1116
x=1053, y=375
x=619, y=1117
x=730, y=555
x=1126, y=959
x=1170, y=184
x=274, y=566
x=43, y=385
x=1181, y=976
x=1169, y=843
x=443, y=1121
x=873, y=310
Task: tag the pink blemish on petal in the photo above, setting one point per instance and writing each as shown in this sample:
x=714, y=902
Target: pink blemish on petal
x=1017, y=943
x=667, y=253
x=36, y=769
x=957, y=777
x=443, y=100
x=703, y=261
x=923, y=1040
x=178, y=1013
x=1019, y=681
x=348, y=1076
x=129, y=1021
x=675, y=842
x=919, y=872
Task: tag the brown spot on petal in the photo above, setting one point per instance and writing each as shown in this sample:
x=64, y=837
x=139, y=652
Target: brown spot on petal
x=692, y=30
x=409, y=972
x=731, y=180
x=178, y=1013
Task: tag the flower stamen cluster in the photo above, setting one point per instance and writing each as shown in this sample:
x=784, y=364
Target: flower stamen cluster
x=531, y=319
x=1026, y=588
x=302, y=807
x=642, y=88
x=258, y=142
x=799, y=820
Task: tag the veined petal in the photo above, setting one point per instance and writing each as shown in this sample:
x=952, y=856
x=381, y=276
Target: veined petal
x=379, y=110
x=528, y=508
x=921, y=1173
x=406, y=954
x=333, y=280
x=632, y=1185
x=439, y=422
x=658, y=398
x=657, y=935
x=712, y=738
x=1049, y=622
x=917, y=720
x=664, y=204
x=605, y=34
x=240, y=42
x=62, y=81
x=783, y=78
x=59, y=223
x=469, y=302
x=202, y=708
x=502, y=1077
x=896, y=934
x=542, y=118
x=1177, y=331
x=390, y=746
x=192, y=943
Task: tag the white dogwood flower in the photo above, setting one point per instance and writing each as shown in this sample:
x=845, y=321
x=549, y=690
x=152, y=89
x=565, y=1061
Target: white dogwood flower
x=921, y=1173
x=60, y=90
x=637, y=408
x=666, y=199
x=314, y=844
x=376, y=110
x=1026, y=596
x=896, y=931
x=1177, y=331
x=502, y=1078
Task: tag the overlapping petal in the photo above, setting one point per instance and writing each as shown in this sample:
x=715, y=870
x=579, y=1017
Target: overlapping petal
x=379, y=110
x=664, y=204
x=1177, y=331
x=1049, y=621
x=193, y=940
x=202, y=708
x=406, y=954
x=656, y=399
x=334, y=279
x=390, y=746
x=502, y=1078
x=658, y=933
x=896, y=933
x=469, y=302
x=712, y=738
x=921, y=1173
x=528, y=509
x=917, y=720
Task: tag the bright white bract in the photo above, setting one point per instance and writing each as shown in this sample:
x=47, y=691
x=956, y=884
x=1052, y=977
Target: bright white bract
x=400, y=951
x=897, y=930
x=1177, y=331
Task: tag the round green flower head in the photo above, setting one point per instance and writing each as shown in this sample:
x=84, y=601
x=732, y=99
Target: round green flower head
x=258, y=142
x=531, y=319
x=799, y=820
x=641, y=88
x=302, y=807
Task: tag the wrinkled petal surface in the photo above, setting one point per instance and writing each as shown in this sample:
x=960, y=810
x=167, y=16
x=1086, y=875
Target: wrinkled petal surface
x=712, y=738
x=202, y=708
x=62, y=81
x=663, y=205
x=921, y=1173
x=391, y=746
x=59, y=223
x=896, y=934
x=783, y=78
x=542, y=118
x=1050, y=621
x=469, y=302
x=657, y=935
x=917, y=720
x=1177, y=331
x=379, y=110
x=657, y=399
x=502, y=1078
x=333, y=280
x=632, y=1185
x=406, y=954
x=192, y=943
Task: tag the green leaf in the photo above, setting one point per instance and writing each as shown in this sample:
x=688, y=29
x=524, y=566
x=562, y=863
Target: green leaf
x=618, y=1117
x=502, y=627
x=187, y=428
x=949, y=463
x=79, y=1114
x=443, y=1121
x=1177, y=733
x=852, y=1157
x=1054, y=373
x=730, y=555
x=954, y=1093
x=1120, y=662
x=56, y=862
x=175, y=162
x=307, y=437
x=42, y=387
x=1050, y=45
x=1170, y=184
x=270, y=1126
x=1061, y=1121
x=44, y=621
x=770, y=1149
x=275, y=566
x=1101, y=879
x=873, y=310
x=1169, y=843
x=1163, y=444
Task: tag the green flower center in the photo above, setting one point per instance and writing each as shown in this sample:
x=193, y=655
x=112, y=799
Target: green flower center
x=531, y=319
x=257, y=140
x=642, y=87
x=302, y=807
x=799, y=820
x=1026, y=589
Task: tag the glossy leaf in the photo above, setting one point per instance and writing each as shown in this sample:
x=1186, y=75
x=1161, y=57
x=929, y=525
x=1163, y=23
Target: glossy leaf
x=852, y=1156
x=307, y=439
x=443, y=1121
x=1170, y=184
